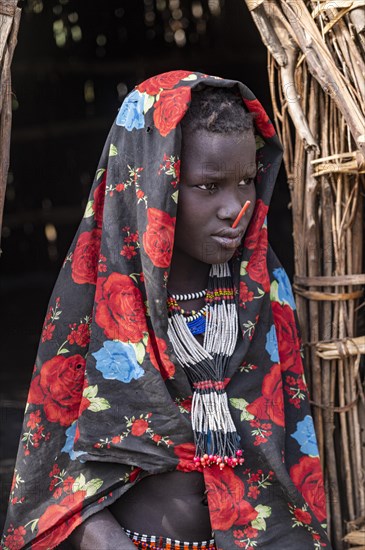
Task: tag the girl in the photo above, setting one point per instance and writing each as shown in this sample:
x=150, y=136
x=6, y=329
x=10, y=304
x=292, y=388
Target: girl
x=168, y=406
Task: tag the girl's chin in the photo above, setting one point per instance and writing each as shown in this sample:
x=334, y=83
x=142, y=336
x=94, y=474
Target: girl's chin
x=219, y=257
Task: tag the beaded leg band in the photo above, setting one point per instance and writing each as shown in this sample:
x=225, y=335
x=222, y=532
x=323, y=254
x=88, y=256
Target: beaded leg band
x=153, y=542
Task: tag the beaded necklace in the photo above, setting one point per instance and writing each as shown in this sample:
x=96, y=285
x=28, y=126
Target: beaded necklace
x=195, y=320
x=215, y=435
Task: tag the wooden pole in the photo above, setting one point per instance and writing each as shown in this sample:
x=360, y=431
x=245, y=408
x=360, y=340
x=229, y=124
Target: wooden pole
x=9, y=25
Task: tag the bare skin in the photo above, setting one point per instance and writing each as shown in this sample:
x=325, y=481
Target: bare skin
x=217, y=172
x=100, y=531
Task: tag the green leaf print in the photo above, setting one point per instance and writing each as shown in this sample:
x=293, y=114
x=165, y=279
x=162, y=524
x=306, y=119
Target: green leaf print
x=243, y=268
x=139, y=350
x=92, y=486
x=100, y=172
x=274, y=292
x=148, y=102
x=98, y=404
x=113, y=151
x=79, y=483
x=190, y=77
x=90, y=391
x=89, y=209
x=263, y=512
x=241, y=405
x=259, y=142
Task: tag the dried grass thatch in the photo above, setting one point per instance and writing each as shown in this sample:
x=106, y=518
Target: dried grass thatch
x=9, y=24
x=316, y=72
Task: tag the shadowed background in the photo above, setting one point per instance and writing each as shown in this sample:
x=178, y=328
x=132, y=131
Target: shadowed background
x=74, y=64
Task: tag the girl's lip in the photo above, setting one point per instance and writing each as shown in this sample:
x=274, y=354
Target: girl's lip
x=227, y=242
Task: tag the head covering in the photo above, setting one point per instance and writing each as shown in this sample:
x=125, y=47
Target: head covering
x=109, y=402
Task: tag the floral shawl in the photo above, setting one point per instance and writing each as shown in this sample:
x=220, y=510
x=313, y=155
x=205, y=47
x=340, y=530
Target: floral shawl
x=108, y=403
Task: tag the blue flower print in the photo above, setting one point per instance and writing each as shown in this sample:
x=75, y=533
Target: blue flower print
x=130, y=114
x=285, y=293
x=272, y=345
x=69, y=445
x=117, y=361
x=306, y=437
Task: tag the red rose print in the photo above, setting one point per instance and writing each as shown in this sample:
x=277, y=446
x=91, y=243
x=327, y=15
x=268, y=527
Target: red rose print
x=79, y=335
x=58, y=492
x=271, y=404
x=186, y=404
x=77, y=433
x=47, y=332
x=34, y=419
x=99, y=199
x=84, y=263
x=134, y=474
x=185, y=453
x=253, y=492
x=225, y=496
x=68, y=483
x=257, y=266
x=245, y=294
x=308, y=479
x=288, y=338
x=58, y=388
x=85, y=402
x=139, y=427
x=302, y=516
x=55, y=470
x=120, y=309
x=158, y=240
x=250, y=532
x=170, y=109
x=177, y=167
x=166, y=81
x=157, y=347
x=262, y=121
x=66, y=513
x=128, y=252
x=15, y=540
x=254, y=228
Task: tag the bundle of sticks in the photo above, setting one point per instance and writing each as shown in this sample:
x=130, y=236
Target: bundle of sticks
x=316, y=73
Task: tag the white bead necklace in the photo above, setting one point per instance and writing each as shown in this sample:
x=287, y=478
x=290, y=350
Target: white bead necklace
x=205, y=364
x=190, y=296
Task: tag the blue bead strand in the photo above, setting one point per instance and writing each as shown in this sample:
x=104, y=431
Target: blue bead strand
x=197, y=326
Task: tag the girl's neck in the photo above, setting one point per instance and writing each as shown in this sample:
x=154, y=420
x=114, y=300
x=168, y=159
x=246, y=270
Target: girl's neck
x=187, y=274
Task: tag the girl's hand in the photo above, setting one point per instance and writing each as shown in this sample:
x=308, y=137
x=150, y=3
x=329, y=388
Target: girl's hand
x=100, y=532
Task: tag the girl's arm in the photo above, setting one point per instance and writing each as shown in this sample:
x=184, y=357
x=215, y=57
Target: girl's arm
x=101, y=531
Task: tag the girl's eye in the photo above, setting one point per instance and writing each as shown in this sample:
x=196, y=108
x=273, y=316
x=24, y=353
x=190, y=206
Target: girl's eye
x=207, y=186
x=244, y=183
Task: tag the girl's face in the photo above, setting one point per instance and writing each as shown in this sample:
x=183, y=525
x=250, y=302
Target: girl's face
x=217, y=178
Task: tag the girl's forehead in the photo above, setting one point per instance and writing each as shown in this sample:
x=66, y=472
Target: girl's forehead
x=219, y=156
x=204, y=146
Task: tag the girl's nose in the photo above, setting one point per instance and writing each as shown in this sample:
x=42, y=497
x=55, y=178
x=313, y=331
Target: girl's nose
x=230, y=208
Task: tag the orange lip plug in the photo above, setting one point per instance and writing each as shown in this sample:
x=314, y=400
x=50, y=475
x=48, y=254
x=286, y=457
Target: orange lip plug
x=241, y=213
